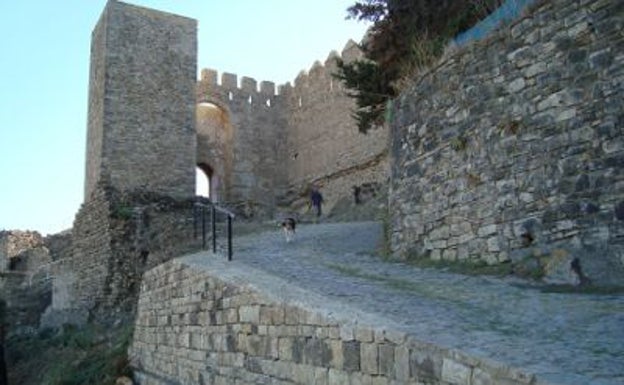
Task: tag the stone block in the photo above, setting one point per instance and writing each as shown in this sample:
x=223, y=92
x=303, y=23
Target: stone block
x=250, y=314
x=298, y=347
x=337, y=377
x=401, y=369
x=454, y=372
x=364, y=334
x=484, y=231
x=337, y=356
x=426, y=366
x=360, y=379
x=380, y=381
x=481, y=377
x=285, y=348
x=386, y=359
x=317, y=352
x=347, y=333
x=303, y=374
x=493, y=244
x=271, y=315
x=369, y=358
x=351, y=356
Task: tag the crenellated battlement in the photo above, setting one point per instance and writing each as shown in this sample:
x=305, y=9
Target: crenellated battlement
x=229, y=81
x=317, y=79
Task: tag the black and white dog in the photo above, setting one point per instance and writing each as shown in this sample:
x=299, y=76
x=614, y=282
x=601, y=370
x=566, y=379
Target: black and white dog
x=289, y=225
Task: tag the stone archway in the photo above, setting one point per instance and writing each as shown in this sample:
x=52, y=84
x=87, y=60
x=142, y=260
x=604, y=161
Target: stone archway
x=214, y=148
x=207, y=182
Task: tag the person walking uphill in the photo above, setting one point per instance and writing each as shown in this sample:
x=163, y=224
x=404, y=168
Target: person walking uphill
x=317, y=200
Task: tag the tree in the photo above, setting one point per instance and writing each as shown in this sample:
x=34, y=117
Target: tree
x=406, y=35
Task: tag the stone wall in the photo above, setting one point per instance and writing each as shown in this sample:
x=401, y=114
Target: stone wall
x=141, y=127
x=244, y=144
x=116, y=237
x=25, y=278
x=13, y=243
x=92, y=251
x=26, y=296
x=513, y=148
x=213, y=322
x=323, y=137
x=268, y=148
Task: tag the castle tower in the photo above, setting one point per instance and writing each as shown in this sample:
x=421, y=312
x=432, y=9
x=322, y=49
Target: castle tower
x=141, y=123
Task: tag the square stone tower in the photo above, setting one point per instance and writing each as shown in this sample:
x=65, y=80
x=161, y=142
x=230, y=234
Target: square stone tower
x=141, y=123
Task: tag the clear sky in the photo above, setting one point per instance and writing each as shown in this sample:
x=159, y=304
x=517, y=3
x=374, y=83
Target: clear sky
x=44, y=80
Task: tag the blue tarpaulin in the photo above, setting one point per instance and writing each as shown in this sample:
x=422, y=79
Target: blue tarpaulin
x=510, y=10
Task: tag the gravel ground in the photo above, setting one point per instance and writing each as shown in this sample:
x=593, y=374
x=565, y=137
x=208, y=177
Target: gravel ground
x=563, y=338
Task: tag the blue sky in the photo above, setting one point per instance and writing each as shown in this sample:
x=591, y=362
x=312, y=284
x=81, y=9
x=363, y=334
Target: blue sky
x=44, y=67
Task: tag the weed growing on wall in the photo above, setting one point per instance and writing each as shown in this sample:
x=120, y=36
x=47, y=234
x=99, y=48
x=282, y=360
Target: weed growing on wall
x=405, y=37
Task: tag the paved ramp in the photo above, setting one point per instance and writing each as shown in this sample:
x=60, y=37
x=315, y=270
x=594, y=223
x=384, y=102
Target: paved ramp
x=563, y=338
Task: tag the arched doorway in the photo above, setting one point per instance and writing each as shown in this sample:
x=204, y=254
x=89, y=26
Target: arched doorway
x=206, y=182
x=214, y=151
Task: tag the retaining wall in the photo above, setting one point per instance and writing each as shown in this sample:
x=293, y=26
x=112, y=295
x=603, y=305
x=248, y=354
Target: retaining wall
x=513, y=148
x=207, y=321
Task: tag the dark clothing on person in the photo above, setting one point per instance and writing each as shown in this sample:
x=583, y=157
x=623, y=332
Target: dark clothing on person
x=317, y=201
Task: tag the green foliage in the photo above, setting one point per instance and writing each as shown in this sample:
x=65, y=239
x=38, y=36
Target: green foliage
x=369, y=88
x=459, y=143
x=123, y=212
x=71, y=356
x=406, y=36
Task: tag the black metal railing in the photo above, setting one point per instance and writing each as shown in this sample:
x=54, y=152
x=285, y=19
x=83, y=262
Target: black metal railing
x=201, y=210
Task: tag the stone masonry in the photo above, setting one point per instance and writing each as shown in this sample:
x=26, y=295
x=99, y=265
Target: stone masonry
x=217, y=323
x=513, y=148
x=141, y=125
x=267, y=148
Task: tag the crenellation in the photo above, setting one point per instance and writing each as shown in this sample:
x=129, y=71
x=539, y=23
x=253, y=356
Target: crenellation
x=209, y=76
x=331, y=58
x=249, y=85
x=267, y=88
x=229, y=81
x=351, y=51
x=284, y=89
x=301, y=80
x=316, y=69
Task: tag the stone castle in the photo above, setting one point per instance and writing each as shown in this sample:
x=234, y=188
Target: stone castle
x=151, y=124
x=508, y=151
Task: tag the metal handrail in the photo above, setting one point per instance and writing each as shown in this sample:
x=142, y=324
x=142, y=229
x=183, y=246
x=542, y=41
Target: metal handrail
x=213, y=219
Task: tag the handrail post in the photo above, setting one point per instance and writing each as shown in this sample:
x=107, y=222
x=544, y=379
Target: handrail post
x=203, y=215
x=214, y=228
x=229, y=225
x=195, y=218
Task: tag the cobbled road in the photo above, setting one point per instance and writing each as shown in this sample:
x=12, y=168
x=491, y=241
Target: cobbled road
x=564, y=338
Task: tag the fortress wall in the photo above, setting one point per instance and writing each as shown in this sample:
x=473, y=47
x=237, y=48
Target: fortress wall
x=323, y=139
x=142, y=101
x=92, y=252
x=212, y=322
x=117, y=236
x=513, y=148
x=96, y=112
x=253, y=141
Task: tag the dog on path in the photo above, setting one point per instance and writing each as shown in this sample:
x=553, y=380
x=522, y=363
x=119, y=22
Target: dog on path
x=288, y=226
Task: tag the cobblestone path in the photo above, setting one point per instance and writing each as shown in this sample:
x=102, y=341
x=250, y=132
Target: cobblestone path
x=563, y=338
